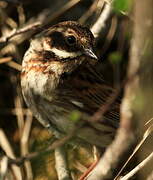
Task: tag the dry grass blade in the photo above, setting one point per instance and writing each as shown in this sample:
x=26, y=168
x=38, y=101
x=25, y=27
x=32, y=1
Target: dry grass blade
x=21, y=15
x=89, y=12
x=5, y=60
x=146, y=134
x=19, y=113
x=14, y=65
x=138, y=168
x=80, y=166
x=110, y=35
x=149, y=121
x=3, y=167
x=25, y=143
x=5, y=145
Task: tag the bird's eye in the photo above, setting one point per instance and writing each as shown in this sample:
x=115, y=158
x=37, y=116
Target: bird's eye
x=71, y=40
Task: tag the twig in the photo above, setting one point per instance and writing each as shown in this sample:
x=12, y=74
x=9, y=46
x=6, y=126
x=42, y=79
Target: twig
x=137, y=168
x=14, y=65
x=21, y=15
x=25, y=144
x=11, y=63
x=79, y=166
x=146, y=134
x=43, y=19
x=5, y=145
x=33, y=155
x=111, y=157
x=89, y=12
x=5, y=60
x=61, y=164
x=86, y=173
x=39, y=23
x=20, y=31
x=100, y=23
x=11, y=23
x=110, y=36
x=3, y=167
x=13, y=111
x=19, y=112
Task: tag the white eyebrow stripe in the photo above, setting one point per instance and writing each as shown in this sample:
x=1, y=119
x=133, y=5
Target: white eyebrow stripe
x=64, y=54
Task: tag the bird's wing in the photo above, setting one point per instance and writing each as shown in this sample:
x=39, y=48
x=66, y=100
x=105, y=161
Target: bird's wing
x=90, y=92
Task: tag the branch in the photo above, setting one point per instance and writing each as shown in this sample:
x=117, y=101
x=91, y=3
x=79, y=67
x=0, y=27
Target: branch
x=100, y=23
x=43, y=19
x=110, y=160
x=53, y=146
x=16, y=32
x=61, y=164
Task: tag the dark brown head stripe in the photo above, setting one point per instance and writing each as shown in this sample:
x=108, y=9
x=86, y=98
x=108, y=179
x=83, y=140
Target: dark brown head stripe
x=57, y=35
x=81, y=30
x=58, y=41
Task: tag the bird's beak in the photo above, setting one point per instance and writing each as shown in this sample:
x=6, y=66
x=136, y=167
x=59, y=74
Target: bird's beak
x=90, y=53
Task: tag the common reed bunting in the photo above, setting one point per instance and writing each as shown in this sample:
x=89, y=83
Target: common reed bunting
x=59, y=76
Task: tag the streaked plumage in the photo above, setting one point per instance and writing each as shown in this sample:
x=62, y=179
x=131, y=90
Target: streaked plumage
x=59, y=76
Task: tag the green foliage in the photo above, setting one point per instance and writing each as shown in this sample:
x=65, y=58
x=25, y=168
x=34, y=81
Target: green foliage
x=75, y=116
x=122, y=5
x=115, y=57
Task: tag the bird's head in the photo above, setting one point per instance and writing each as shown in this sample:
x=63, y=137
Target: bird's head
x=62, y=47
x=67, y=40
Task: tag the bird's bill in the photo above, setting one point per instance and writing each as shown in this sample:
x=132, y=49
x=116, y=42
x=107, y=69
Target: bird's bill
x=90, y=53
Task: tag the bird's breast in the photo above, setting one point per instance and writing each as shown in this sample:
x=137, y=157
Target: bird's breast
x=39, y=83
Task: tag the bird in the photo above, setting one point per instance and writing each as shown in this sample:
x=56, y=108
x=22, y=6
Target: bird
x=60, y=77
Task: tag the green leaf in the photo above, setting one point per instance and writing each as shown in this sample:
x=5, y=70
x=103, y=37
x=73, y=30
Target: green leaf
x=75, y=116
x=115, y=57
x=122, y=5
